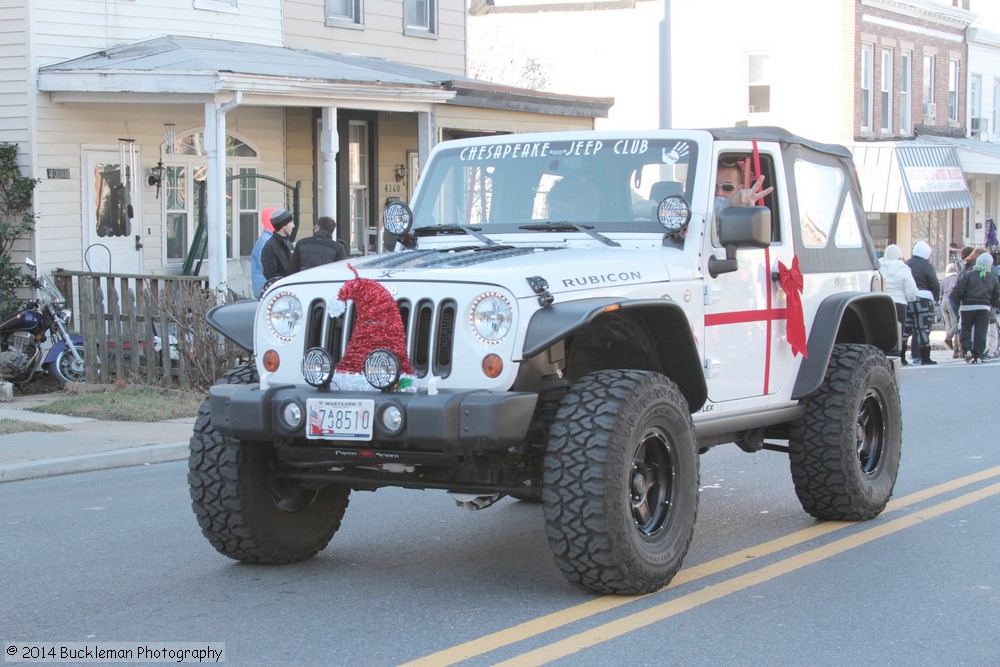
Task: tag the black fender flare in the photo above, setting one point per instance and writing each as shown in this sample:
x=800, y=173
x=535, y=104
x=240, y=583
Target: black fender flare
x=667, y=321
x=235, y=321
x=847, y=317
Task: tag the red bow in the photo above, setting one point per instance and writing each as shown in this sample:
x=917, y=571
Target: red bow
x=791, y=283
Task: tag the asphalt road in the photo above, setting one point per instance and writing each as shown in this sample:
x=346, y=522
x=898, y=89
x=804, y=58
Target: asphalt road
x=116, y=555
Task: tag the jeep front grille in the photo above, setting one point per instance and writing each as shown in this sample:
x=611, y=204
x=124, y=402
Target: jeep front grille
x=429, y=327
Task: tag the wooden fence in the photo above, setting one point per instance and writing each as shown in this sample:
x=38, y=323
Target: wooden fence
x=142, y=328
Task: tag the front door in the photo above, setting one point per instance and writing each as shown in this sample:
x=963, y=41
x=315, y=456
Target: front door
x=112, y=229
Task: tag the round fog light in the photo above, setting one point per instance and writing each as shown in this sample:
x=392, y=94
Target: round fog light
x=392, y=419
x=317, y=367
x=382, y=369
x=291, y=414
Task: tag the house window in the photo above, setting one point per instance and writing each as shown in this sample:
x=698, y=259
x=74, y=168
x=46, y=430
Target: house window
x=184, y=179
x=344, y=13
x=758, y=80
x=929, y=106
x=885, y=90
x=421, y=17
x=905, y=76
x=953, y=90
x=867, y=55
x=358, y=167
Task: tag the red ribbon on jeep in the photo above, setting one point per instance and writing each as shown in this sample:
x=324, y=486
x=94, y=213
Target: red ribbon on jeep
x=795, y=328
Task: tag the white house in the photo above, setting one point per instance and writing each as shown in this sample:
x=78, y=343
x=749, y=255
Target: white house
x=125, y=109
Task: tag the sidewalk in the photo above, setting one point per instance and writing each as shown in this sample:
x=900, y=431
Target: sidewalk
x=87, y=444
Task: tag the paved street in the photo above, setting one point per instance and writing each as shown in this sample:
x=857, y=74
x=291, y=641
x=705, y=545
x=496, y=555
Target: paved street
x=116, y=556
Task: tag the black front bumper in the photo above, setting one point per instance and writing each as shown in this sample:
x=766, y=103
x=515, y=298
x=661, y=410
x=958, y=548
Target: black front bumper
x=449, y=422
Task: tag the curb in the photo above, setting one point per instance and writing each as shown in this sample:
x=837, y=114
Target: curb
x=116, y=458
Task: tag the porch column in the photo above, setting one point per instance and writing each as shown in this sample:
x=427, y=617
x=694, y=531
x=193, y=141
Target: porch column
x=215, y=192
x=427, y=134
x=329, y=145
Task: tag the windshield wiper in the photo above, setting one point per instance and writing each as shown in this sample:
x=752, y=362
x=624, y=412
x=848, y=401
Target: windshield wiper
x=451, y=229
x=570, y=227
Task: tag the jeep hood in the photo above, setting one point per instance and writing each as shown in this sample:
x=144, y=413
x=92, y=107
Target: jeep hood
x=564, y=269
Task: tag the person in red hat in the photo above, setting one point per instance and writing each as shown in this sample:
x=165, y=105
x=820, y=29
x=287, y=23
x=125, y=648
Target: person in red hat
x=257, y=279
x=277, y=251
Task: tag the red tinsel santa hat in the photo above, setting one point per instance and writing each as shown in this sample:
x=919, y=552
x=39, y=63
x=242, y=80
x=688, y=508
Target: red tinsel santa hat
x=377, y=324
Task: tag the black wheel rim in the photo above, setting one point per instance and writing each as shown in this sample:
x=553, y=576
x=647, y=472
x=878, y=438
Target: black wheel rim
x=290, y=498
x=651, y=483
x=870, y=433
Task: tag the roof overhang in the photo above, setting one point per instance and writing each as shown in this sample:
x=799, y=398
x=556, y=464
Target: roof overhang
x=975, y=156
x=201, y=70
x=902, y=177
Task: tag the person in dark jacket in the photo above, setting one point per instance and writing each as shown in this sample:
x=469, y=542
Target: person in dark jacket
x=277, y=252
x=920, y=313
x=320, y=248
x=977, y=291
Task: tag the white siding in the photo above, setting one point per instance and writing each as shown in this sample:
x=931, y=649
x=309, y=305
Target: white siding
x=382, y=36
x=64, y=29
x=13, y=73
x=66, y=129
x=984, y=59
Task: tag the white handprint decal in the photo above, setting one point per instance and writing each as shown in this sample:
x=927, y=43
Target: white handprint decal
x=676, y=153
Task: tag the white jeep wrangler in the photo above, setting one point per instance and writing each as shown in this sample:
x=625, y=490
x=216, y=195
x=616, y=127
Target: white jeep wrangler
x=578, y=319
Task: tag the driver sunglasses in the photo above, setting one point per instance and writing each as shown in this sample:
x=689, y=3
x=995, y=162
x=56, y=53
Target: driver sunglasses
x=725, y=187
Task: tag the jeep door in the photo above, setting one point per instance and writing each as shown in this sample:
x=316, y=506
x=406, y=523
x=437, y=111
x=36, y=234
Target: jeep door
x=746, y=351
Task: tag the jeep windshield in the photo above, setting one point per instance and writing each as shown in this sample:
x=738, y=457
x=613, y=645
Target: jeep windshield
x=529, y=185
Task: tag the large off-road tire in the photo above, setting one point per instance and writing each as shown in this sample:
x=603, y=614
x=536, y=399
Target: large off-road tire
x=243, y=508
x=620, y=493
x=845, y=452
x=65, y=368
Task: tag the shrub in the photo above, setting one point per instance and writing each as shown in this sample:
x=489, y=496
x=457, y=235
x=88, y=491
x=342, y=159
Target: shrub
x=16, y=223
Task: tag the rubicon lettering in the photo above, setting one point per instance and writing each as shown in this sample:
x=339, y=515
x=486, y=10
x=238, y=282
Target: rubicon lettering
x=601, y=279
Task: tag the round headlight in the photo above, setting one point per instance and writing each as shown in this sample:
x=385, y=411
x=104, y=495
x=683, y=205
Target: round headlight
x=284, y=315
x=382, y=369
x=317, y=367
x=397, y=218
x=491, y=317
x=673, y=213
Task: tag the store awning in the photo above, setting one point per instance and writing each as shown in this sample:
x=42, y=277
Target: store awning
x=907, y=178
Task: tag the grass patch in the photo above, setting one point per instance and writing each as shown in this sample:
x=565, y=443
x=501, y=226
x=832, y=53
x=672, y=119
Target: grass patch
x=8, y=426
x=144, y=404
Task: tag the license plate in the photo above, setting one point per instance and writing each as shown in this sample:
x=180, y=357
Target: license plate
x=339, y=418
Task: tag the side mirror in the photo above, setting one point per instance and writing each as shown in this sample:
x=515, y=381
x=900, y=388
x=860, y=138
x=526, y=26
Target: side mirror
x=740, y=227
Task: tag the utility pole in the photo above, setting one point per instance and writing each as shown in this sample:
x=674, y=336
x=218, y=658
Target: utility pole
x=666, y=120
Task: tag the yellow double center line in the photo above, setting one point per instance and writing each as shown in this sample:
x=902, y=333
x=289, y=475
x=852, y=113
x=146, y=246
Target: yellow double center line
x=675, y=606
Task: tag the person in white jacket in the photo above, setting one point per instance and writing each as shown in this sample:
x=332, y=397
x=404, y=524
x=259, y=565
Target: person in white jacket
x=900, y=285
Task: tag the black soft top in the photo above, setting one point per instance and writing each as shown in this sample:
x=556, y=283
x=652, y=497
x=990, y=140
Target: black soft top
x=776, y=134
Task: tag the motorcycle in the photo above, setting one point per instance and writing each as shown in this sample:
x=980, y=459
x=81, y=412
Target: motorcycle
x=23, y=353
